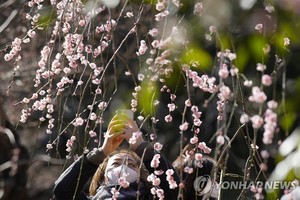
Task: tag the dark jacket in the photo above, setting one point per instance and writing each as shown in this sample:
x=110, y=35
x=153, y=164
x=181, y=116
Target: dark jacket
x=70, y=185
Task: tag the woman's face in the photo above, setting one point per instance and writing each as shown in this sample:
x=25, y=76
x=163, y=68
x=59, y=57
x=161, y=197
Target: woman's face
x=121, y=165
x=122, y=159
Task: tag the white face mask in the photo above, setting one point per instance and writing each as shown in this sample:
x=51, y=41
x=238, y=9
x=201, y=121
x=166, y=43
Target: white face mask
x=215, y=190
x=123, y=171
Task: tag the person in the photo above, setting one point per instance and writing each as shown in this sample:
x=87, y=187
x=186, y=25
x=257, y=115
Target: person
x=190, y=168
x=14, y=161
x=117, y=173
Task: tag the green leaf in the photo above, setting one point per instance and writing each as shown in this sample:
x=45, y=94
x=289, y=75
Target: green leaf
x=195, y=54
x=146, y=97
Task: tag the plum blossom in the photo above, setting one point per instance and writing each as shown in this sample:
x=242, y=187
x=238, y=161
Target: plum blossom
x=170, y=179
x=153, y=32
x=198, y=9
x=203, y=82
x=266, y=80
x=160, y=194
x=78, y=121
x=70, y=143
x=129, y=14
x=257, y=96
x=123, y=182
x=257, y=121
x=160, y=6
x=261, y=67
x=204, y=148
x=194, y=140
x=143, y=48
x=49, y=146
x=188, y=170
x=171, y=107
x=198, y=156
x=270, y=118
x=15, y=49
x=161, y=15
x=244, y=118
x=272, y=104
x=225, y=93
x=269, y=8
x=286, y=41
x=92, y=133
x=259, y=27
x=248, y=83
x=153, y=179
x=158, y=146
x=220, y=139
x=102, y=105
x=223, y=72
x=134, y=137
x=155, y=161
x=184, y=126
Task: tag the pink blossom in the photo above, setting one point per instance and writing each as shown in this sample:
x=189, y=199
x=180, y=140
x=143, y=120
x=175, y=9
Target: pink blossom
x=171, y=107
x=92, y=133
x=188, y=170
x=181, y=185
x=170, y=179
x=207, y=150
x=123, y=182
x=153, y=32
x=223, y=72
x=269, y=8
x=156, y=181
x=202, y=145
x=134, y=137
x=169, y=172
x=129, y=14
x=220, y=139
x=261, y=67
x=198, y=9
x=160, y=193
x=78, y=121
x=173, y=97
x=143, y=48
x=225, y=92
x=244, y=118
x=286, y=41
x=81, y=22
x=160, y=6
x=259, y=28
x=49, y=146
x=198, y=156
x=188, y=103
x=155, y=161
x=153, y=191
x=93, y=116
x=248, y=83
x=158, y=146
x=258, y=96
x=194, y=140
x=102, y=105
x=272, y=104
x=266, y=80
x=184, y=126
x=257, y=121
